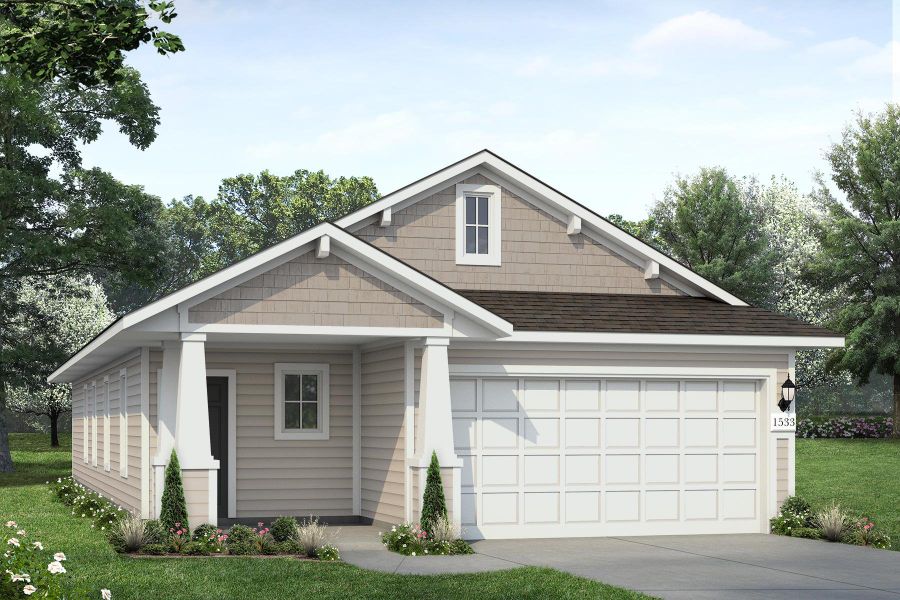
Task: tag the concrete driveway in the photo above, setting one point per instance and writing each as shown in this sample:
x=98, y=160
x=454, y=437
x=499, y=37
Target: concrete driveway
x=724, y=567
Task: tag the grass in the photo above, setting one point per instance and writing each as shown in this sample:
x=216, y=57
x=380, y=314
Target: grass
x=25, y=498
x=862, y=475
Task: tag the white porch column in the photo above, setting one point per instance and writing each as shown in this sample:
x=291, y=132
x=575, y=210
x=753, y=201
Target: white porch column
x=434, y=427
x=184, y=426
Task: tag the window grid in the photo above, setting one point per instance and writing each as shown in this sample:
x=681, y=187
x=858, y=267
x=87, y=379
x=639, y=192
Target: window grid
x=477, y=224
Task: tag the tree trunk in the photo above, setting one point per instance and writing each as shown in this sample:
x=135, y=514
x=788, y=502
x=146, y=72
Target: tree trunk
x=54, y=429
x=6, y=463
x=896, y=431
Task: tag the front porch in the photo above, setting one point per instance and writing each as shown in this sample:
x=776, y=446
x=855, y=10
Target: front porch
x=339, y=427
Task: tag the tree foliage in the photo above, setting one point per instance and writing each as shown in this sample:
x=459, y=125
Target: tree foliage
x=80, y=41
x=173, y=507
x=434, y=505
x=58, y=314
x=860, y=241
x=711, y=223
x=251, y=213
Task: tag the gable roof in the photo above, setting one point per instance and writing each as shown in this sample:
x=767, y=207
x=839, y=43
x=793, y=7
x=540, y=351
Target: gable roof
x=593, y=224
x=266, y=259
x=638, y=313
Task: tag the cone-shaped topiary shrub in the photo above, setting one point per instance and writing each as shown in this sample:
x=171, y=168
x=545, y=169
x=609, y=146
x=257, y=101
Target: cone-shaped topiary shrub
x=174, y=507
x=434, y=505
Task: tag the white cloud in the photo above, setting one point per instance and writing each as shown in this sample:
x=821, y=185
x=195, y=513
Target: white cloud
x=882, y=63
x=705, y=29
x=365, y=136
x=843, y=46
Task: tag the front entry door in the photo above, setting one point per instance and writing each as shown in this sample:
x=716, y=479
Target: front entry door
x=217, y=395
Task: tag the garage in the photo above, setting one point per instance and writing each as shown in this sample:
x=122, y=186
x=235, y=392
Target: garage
x=551, y=456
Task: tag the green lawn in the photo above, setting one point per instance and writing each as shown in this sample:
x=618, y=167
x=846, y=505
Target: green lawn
x=863, y=476
x=25, y=498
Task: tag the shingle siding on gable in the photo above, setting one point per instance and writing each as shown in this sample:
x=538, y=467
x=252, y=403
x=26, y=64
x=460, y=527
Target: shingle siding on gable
x=536, y=252
x=311, y=291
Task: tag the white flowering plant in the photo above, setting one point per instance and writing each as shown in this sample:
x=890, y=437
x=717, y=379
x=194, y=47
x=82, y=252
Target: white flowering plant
x=88, y=503
x=31, y=570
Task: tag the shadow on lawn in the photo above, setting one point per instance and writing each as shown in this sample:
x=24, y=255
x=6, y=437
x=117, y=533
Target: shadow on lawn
x=35, y=462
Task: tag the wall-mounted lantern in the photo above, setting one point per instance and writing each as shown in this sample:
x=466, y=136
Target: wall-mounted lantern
x=788, y=389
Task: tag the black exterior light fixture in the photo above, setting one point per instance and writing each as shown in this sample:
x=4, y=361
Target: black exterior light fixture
x=787, y=394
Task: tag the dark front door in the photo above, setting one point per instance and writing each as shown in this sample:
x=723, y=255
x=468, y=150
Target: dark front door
x=217, y=395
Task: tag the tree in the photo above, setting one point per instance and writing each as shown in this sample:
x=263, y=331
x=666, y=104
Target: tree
x=644, y=230
x=58, y=314
x=711, y=223
x=76, y=222
x=860, y=241
x=251, y=213
x=790, y=221
x=80, y=41
x=173, y=507
x=434, y=505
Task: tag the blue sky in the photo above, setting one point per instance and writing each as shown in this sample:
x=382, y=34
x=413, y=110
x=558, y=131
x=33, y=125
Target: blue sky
x=604, y=100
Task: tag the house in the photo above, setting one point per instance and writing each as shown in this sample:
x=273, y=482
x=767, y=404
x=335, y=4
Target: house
x=572, y=380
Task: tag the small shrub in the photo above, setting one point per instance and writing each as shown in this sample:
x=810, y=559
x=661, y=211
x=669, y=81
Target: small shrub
x=240, y=533
x=155, y=549
x=407, y=539
x=797, y=505
x=202, y=532
x=174, y=506
x=154, y=532
x=195, y=549
x=312, y=535
x=434, y=505
x=863, y=533
x=242, y=548
x=786, y=524
x=810, y=533
x=832, y=522
x=283, y=528
x=460, y=547
x=288, y=547
x=242, y=539
x=795, y=513
x=129, y=534
x=328, y=552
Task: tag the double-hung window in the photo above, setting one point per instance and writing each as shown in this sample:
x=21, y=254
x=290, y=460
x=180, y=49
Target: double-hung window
x=301, y=401
x=478, y=224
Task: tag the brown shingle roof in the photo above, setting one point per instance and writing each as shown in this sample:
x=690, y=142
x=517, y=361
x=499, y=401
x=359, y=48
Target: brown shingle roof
x=627, y=313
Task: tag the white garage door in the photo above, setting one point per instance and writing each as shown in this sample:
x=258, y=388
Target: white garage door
x=551, y=457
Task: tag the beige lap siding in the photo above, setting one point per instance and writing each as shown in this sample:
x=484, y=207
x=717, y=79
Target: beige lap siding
x=196, y=495
x=536, y=252
x=781, y=465
x=312, y=291
x=289, y=477
x=383, y=435
x=125, y=491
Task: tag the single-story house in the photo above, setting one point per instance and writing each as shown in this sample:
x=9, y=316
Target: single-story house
x=573, y=380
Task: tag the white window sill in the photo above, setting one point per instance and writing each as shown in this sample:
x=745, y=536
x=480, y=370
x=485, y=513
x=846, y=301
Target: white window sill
x=302, y=435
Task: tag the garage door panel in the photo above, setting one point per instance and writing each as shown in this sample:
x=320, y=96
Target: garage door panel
x=500, y=470
x=583, y=433
x=541, y=433
x=500, y=395
x=550, y=456
x=623, y=395
x=622, y=433
x=500, y=433
x=541, y=469
x=583, y=469
x=541, y=395
x=582, y=395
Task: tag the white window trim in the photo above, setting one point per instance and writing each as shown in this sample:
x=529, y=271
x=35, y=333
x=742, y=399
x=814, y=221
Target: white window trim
x=107, y=465
x=321, y=369
x=93, y=423
x=85, y=427
x=492, y=258
x=123, y=423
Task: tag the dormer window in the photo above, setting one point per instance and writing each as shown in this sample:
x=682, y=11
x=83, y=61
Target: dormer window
x=477, y=224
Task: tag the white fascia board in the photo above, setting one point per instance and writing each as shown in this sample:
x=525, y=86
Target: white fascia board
x=675, y=339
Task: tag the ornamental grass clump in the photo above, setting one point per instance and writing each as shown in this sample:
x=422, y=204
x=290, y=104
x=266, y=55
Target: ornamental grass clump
x=832, y=522
x=129, y=534
x=311, y=536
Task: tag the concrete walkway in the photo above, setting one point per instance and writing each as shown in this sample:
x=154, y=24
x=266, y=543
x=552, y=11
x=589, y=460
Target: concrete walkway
x=726, y=567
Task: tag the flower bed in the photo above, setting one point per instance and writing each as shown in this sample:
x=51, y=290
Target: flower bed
x=31, y=570
x=798, y=519
x=129, y=534
x=410, y=539
x=845, y=427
